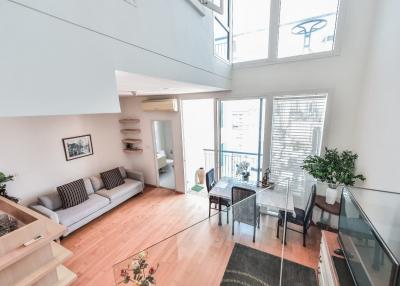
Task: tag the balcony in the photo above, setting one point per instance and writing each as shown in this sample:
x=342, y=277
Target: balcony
x=230, y=160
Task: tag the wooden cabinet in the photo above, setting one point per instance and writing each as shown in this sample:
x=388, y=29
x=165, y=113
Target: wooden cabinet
x=326, y=270
x=39, y=263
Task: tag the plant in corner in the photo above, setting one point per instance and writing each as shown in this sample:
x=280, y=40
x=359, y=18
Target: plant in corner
x=3, y=180
x=334, y=168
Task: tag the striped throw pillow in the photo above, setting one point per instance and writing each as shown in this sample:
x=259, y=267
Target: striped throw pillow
x=72, y=194
x=112, y=178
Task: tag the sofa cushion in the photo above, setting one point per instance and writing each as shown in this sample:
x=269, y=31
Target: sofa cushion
x=51, y=201
x=130, y=186
x=97, y=183
x=112, y=178
x=123, y=172
x=73, y=193
x=88, y=186
x=74, y=214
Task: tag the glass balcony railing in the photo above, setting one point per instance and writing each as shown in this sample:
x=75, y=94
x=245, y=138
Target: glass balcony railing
x=237, y=244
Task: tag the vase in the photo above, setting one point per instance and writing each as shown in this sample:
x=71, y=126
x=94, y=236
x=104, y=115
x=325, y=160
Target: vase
x=200, y=176
x=331, y=194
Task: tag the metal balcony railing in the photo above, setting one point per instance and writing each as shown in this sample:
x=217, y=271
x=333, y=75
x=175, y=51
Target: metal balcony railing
x=229, y=160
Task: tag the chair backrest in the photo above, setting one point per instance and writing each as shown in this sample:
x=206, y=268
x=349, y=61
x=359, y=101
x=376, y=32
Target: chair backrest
x=310, y=205
x=210, y=179
x=244, y=207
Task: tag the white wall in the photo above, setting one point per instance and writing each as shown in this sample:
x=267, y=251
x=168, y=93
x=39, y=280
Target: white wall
x=146, y=161
x=32, y=149
x=377, y=131
x=59, y=57
x=341, y=75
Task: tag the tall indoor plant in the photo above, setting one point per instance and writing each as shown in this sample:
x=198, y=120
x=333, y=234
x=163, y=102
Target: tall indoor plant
x=334, y=168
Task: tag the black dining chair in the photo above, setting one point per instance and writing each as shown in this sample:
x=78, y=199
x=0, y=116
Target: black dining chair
x=303, y=217
x=210, y=183
x=245, y=209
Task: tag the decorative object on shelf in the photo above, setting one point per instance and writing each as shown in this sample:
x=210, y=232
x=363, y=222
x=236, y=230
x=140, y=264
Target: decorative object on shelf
x=334, y=168
x=131, y=144
x=242, y=169
x=200, y=176
x=78, y=147
x=139, y=272
x=265, y=179
x=3, y=192
x=7, y=224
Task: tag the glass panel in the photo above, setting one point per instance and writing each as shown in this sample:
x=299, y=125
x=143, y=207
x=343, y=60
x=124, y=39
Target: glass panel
x=224, y=19
x=212, y=251
x=221, y=38
x=369, y=261
x=307, y=26
x=240, y=134
x=250, y=29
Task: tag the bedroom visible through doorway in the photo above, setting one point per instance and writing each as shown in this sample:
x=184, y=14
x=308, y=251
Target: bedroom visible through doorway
x=164, y=153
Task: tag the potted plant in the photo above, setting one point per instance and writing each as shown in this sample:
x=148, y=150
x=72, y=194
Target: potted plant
x=3, y=180
x=243, y=169
x=334, y=168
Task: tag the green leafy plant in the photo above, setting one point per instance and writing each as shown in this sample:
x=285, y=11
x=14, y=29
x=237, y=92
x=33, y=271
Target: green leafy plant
x=333, y=167
x=3, y=180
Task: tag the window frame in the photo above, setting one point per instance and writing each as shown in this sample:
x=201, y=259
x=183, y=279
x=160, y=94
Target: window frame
x=273, y=43
x=228, y=29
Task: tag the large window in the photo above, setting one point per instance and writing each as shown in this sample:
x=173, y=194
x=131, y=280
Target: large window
x=306, y=26
x=250, y=29
x=273, y=29
x=297, y=127
x=222, y=32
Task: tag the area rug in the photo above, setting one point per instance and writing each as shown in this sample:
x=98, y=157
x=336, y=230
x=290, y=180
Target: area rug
x=251, y=267
x=197, y=188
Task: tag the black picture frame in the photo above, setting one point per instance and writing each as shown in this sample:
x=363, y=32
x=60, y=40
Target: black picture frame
x=77, y=147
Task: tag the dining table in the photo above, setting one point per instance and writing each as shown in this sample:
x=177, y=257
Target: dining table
x=276, y=196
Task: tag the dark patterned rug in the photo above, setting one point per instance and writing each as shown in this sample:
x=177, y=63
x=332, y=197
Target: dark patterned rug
x=251, y=267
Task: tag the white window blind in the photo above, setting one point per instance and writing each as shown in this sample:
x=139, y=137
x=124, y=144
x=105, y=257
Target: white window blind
x=297, y=127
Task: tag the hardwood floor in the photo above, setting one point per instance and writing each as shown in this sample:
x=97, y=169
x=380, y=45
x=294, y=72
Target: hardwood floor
x=197, y=256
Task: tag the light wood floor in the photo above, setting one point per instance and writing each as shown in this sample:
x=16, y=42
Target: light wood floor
x=195, y=257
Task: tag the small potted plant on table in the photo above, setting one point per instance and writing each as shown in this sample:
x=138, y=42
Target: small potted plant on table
x=334, y=168
x=3, y=192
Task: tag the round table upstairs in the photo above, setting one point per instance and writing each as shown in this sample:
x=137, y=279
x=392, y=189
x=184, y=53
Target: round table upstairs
x=332, y=209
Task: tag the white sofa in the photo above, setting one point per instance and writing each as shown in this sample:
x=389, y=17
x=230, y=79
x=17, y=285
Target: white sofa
x=100, y=200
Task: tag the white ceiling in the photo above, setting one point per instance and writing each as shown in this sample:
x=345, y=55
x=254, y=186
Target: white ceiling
x=129, y=84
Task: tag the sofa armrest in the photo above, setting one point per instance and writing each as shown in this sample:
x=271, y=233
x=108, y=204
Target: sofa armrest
x=135, y=175
x=46, y=212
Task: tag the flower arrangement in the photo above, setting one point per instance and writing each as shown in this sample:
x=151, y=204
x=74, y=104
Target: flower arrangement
x=242, y=169
x=137, y=272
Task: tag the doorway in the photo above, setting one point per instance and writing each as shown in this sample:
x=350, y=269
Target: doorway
x=198, y=143
x=164, y=153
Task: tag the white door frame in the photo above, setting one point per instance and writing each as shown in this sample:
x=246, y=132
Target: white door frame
x=153, y=131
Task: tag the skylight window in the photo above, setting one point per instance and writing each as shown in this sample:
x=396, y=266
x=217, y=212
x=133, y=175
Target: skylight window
x=250, y=30
x=307, y=27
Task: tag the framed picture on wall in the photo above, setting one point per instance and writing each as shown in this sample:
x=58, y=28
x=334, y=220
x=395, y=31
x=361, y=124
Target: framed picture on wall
x=78, y=147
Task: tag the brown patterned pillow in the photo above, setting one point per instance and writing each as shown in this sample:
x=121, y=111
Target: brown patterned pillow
x=72, y=194
x=112, y=178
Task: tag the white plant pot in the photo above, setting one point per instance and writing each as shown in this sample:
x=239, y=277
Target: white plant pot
x=331, y=195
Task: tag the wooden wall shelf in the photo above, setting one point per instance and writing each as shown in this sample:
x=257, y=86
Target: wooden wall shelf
x=129, y=130
x=129, y=120
x=134, y=151
x=131, y=141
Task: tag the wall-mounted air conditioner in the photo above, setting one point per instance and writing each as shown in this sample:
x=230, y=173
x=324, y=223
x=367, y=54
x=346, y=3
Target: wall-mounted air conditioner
x=170, y=105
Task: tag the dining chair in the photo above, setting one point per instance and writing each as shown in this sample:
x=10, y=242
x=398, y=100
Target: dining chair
x=210, y=183
x=303, y=217
x=245, y=209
